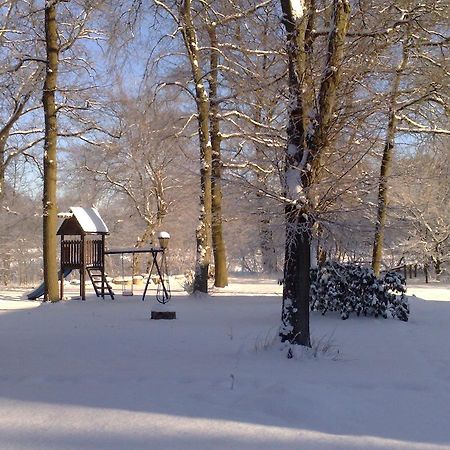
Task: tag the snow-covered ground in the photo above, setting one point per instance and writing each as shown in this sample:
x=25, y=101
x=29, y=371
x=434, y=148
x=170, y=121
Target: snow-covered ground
x=102, y=375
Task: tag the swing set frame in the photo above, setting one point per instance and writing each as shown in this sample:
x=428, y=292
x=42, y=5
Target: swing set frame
x=158, y=259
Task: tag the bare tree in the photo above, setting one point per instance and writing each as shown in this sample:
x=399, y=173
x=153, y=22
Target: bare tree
x=21, y=73
x=415, y=95
x=139, y=164
x=307, y=131
x=421, y=199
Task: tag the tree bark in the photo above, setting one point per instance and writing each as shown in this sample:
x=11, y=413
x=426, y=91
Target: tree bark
x=307, y=136
x=295, y=312
x=266, y=244
x=295, y=308
x=50, y=155
x=220, y=258
x=386, y=163
x=2, y=173
x=203, y=231
x=268, y=252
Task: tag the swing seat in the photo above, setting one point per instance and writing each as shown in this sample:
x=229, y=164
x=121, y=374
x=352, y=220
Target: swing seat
x=123, y=281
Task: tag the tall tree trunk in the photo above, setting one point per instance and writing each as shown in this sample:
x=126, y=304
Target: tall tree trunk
x=203, y=231
x=307, y=135
x=152, y=222
x=295, y=308
x=266, y=244
x=386, y=163
x=2, y=172
x=295, y=312
x=220, y=257
x=50, y=155
x=268, y=252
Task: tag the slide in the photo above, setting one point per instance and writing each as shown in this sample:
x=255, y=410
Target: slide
x=39, y=291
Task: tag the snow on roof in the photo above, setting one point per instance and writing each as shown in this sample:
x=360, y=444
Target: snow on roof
x=89, y=219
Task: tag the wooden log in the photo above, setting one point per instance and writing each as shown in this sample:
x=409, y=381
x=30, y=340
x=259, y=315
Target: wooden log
x=163, y=315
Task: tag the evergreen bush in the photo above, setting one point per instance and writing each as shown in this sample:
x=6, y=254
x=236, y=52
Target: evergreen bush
x=348, y=288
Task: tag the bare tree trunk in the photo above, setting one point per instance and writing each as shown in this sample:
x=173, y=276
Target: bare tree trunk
x=153, y=223
x=50, y=155
x=437, y=265
x=2, y=172
x=307, y=135
x=220, y=257
x=295, y=312
x=386, y=164
x=268, y=252
x=146, y=236
x=4, y=135
x=203, y=231
x=295, y=309
x=266, y=244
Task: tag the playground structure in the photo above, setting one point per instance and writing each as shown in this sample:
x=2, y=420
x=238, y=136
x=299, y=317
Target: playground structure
x=85, y=251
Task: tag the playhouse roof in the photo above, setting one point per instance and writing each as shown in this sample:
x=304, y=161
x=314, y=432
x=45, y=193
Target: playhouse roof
x=82, y=220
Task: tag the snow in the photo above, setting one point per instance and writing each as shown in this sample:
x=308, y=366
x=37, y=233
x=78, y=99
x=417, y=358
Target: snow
x=294, y=186
x=101, y=375
x=292, y=150
x=89, y=219
x=298, y=9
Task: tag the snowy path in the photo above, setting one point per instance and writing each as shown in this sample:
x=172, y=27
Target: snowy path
x=101, y=375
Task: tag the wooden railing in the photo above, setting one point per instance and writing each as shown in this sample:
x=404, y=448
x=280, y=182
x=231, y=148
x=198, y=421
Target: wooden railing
x=72, y=253
x=94, y=253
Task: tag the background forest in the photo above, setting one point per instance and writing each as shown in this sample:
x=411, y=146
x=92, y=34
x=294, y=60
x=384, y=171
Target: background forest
x=146, y=89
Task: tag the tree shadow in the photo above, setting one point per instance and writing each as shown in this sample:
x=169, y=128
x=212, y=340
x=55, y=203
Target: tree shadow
x=201, y=377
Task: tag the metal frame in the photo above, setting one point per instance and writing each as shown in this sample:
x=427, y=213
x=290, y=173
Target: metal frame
x=154, y=252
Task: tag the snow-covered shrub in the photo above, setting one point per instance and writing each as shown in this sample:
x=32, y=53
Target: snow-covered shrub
x=348, y=288
x=395, y=289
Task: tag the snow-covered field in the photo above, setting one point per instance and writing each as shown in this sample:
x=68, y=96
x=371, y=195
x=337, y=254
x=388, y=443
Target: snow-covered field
x=102, y=375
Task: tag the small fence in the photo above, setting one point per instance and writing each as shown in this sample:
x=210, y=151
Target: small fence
x=412, y=271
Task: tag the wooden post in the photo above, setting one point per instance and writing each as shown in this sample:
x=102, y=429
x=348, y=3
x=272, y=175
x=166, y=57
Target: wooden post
x=61, y=274
x=102, y=263
x=82, y=269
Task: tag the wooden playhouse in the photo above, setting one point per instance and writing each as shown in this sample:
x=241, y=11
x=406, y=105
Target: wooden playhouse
x=83, y=234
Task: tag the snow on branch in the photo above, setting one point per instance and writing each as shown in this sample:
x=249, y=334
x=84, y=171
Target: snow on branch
x=424, y=130
x=417, y=127
x=248, y=165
